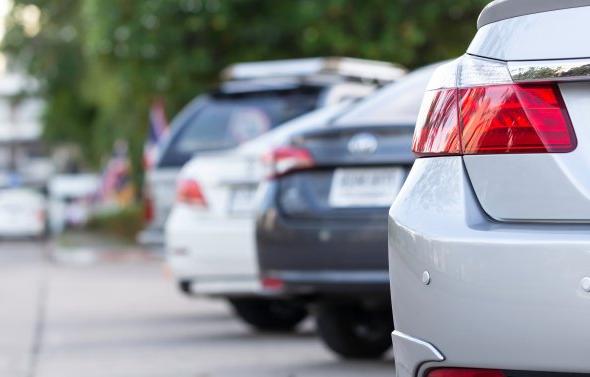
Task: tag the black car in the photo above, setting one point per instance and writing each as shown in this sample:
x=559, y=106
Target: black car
x=322, y=230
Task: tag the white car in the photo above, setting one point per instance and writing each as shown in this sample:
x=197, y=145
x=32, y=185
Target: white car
x=71, y=200
x=489, y=238
x=22, y=213
x=255, y=98
x=210, y=233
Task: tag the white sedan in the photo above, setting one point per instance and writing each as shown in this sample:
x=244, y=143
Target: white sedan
x=22, y=213
x=210, y=233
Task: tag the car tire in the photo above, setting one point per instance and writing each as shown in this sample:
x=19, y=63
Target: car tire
x=354, y=331
x=269, y=314
x=184, y=287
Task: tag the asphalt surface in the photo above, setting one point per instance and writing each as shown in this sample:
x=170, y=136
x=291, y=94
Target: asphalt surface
x=82, y=312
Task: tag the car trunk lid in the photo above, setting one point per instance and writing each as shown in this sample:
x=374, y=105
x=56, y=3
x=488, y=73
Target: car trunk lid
x=357, y=172
x=539, y=187
x=229, y=182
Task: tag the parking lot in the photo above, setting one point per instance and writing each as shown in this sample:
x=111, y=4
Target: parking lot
x=72, y=312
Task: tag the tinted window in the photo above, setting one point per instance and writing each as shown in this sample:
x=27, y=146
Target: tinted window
x=229, y=120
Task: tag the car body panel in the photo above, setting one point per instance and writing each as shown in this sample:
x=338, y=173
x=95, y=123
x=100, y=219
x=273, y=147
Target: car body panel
x=224, y=240
x=545, y=187
x=504, y=296
x=161, y=187
x=22, y=213
x=548, y=35
x=321, y=253
x=499, y=10
x=312, y=196
x=538, y=187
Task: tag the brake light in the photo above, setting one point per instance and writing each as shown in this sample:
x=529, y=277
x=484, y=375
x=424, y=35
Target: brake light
x=189, y=192
x=465, y=372
x=284, y=160
x=41, y=215
x=484, y=112
x=439, y=133
x=148, y=207
x=272, y=284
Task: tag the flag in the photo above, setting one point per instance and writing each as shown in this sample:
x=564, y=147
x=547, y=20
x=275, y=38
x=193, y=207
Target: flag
x=158, y=130
x=116, y=188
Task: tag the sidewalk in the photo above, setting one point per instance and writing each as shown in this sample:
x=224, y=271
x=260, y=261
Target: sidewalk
x=85, y=248
x=117, y=314
x=22, y=297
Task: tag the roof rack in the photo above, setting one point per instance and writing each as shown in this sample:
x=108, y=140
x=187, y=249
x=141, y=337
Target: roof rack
x=347, y=68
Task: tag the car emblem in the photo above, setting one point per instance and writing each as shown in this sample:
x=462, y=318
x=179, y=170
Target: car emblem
x=363, y=143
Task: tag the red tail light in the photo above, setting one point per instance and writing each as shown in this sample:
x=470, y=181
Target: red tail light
x=272, y=284
x=501, y=117
x=465, y=372
x=439, y=134
x=148, y=206
x=515, y=119
x=287, y=159
x=41, y=215
x=189, y=192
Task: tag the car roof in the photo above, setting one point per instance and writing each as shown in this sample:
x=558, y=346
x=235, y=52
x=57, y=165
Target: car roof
x=343, y=67
x=265, y=85
x=499, y=10
x=376, y=109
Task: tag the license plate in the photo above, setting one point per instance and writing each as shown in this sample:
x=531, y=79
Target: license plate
x=374, y=187
x=242, y=199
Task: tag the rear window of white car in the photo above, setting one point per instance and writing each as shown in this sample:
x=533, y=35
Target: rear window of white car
x=226, y=121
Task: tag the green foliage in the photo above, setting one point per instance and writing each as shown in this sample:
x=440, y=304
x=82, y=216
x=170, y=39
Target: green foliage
x=102, y=62
x=124, y=223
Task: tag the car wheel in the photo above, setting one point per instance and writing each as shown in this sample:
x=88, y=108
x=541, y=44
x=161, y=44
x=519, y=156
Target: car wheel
x=184, y=286
x=269, y=314
x=353, y=331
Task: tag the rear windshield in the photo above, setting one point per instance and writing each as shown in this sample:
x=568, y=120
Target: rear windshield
x=226, y=121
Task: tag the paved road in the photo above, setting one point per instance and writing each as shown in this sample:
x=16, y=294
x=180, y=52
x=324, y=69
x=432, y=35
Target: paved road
x=77, y=316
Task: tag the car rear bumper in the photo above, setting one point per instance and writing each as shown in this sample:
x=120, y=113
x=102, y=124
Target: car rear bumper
x=340, y=257
x=8, y=230
x=216, y=255
x=225, y=286
x=151, y=237
x=371, y=284
x=482, y=294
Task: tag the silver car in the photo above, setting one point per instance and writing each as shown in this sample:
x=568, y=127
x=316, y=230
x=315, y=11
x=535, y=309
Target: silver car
x=489, y=239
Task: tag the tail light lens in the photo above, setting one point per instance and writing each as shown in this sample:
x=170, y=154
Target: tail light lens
x=272, y=284
x=284, y=160
x=465, y=372
x=189, y=192
x=148, y=206
x=41, y=215
x=439, y=132
x=475, y=108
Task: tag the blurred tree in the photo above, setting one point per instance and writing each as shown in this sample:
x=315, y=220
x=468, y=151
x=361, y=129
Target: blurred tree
x=43, y=38
x=103, y=61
